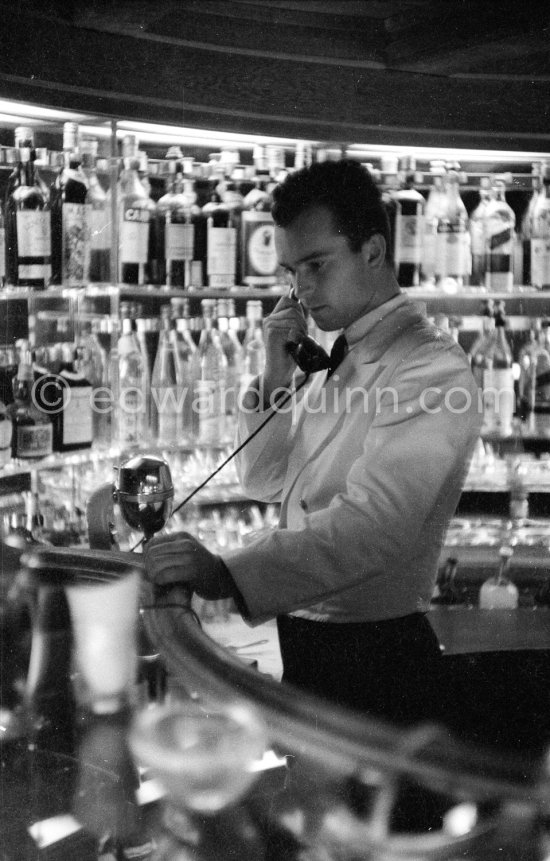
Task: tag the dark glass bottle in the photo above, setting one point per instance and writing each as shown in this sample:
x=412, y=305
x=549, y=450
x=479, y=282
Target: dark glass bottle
x=221, y=239
x=57, y=197
x=73, y=418
x=28, y=230
x=409, y=227
x=136, y=212
x=32, y=436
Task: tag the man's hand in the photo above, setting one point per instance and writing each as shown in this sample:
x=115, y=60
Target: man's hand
x=180, y=560
x=285, y=323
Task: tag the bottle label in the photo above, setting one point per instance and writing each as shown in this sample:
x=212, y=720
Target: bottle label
x=77, y=415
x=179, y=241
x=34, y=272
x=408, y=238
x=540, y=262
x=259, y=258
x=33, y=233
x=134, y=236
x=34, y=440
x=498, y=400
x=76, y=244
x=453, y=242
x=100, y=229
x=501, y=242
x=221, y=256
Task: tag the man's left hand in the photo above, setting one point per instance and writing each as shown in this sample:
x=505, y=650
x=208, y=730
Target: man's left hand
x=179, y=559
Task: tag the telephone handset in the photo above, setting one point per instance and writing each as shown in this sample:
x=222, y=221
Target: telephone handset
x=306, y=352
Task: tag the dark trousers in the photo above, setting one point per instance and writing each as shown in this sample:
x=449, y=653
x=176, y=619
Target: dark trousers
x=386, y=669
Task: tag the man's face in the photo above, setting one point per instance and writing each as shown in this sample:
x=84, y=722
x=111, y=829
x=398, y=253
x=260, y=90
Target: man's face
x=334, y=283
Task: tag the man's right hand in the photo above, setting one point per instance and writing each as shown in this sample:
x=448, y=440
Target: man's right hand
x=286, y=323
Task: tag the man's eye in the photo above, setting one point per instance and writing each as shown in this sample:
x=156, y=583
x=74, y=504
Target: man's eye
x=315, y=265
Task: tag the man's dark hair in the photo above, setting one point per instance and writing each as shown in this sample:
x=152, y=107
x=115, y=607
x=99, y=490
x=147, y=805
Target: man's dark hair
x=346, y=188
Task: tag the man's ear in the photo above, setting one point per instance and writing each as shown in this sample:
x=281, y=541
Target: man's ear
x=374, y=251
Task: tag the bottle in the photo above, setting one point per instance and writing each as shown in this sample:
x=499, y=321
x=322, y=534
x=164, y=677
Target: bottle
x=99, y=216
x=5, y=436
x=8, y=371
x=177, y=214
x=189, y=374
x=253, y=344
x=526, y=229
x=131, y=390
x=221, y=243
x=498, y=382
x=478, y=234
x=528, y=358
x=32, y=430
x=409, y=228
x=501, y=235
x=234, y=355
x=453, y=257
x=258, y=256
x=432, y=213
x=72, y=417
x=91, y=362
x=147, y=337
x=2, y=247
x=136, y=211
x=69, y=216
x=166, y=386
x=540, y=236
x=212, y=384
x=28, y=227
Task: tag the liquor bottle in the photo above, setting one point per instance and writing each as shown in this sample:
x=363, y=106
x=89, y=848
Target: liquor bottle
x=177, y=218
x=2, y=247
x=136, y=210
x=453, y=257
x=498, y=382
x=28, y=228
x=221, y=243
x=131, y=389
x=234, y=354
x=478, y=234
x=99, y=216
x=155, y=250
x=8, y=371
x=409, y=227
x=32, y=434
x=540, y=235
x=212, y=384
x=72, y=418
x=501, y=235
x=526, y=229
x=5, y=436
x=432, y=213
x=189, y=374
x=259, y=265
x=68, y=225
x=166, y=386
x=534, y=362
x=147, y=337
x=91, y=362
x=253, y=344
x=76, y=233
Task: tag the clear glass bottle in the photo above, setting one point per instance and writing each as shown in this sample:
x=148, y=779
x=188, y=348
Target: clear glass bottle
x=409, y=227
x=189, y=374
x=131, y=390
x=32, y=435
x=166, y=386
x=498, y=382
x=253, y=344
x=28, y=226
x=234, y=354
x=526, y=228
x=498, y=592
x=212, y=384
x=478, y=234
x=433, y=211
x=453, y=256
x=91, y=361
x=99, y=216
x=147, y=333
x=540, y=235
x=501, y=237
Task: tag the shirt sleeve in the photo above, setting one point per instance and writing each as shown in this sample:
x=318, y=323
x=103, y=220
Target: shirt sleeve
x=413, y=453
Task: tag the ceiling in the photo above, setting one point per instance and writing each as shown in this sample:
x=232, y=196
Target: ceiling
x=454, y=72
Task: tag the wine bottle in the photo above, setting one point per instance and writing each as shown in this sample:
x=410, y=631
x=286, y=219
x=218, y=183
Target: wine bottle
x=28, y=228
x=73, y=418
x=136, y=210
x=32, y=435
x=409, y=228
x=221, y=239
x=99, y=216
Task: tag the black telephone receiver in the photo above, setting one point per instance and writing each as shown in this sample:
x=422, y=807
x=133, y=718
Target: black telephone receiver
x=306, y=352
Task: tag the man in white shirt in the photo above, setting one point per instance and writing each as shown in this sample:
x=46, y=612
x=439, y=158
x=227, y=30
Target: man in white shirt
x=367, y=460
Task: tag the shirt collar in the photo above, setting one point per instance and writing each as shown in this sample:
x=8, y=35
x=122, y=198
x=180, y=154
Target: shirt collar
x=357, y=330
